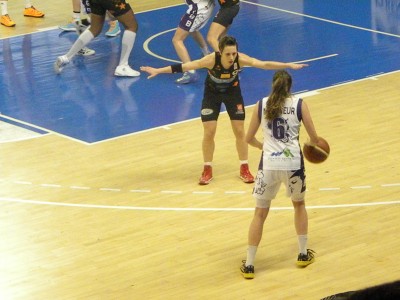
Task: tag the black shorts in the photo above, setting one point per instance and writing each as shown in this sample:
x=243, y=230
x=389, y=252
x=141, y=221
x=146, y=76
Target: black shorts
x=225, y=15
x=115, y=7
x=212, y=101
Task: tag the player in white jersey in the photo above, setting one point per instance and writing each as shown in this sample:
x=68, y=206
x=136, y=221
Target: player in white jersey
x=280, y=116
x=195, y=18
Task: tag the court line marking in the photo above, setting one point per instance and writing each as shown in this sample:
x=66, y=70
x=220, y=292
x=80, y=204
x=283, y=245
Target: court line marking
x=124, y=207
x=304, y=94
x=228, y=192
x=322, y=19
x=155, y=128
x=361, y=187
x=316, y=58
x=43, y=129
x=146, y=48
x=152, y=37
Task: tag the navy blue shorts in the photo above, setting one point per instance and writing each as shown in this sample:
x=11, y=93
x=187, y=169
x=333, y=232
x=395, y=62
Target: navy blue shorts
x=115, y=7
x=212, y=101
x=225, y=15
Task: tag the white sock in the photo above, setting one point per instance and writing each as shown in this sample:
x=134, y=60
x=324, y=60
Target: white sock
x=208, y=163
x=303, y=243
x=128, y=39
x=192, y=71
x=76, y=16
x=28, y=3
x=251, y=255
x=81, y=42
x=4, y=10
x=242, y=162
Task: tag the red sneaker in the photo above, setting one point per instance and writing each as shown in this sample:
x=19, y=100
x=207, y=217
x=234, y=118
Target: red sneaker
x=206, y=176
x=245, y=174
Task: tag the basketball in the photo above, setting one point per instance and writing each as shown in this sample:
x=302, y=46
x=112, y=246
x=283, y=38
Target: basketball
x=318, y=153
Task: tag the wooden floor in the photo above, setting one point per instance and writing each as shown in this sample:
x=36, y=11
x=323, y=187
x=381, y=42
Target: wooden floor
x=125, y=219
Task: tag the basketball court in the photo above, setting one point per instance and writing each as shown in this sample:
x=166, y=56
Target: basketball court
x=99, y=196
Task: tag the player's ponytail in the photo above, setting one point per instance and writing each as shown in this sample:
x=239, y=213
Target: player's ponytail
x=281, y=85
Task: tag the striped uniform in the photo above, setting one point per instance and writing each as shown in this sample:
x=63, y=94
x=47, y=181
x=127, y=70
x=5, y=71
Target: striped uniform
x=281, y=159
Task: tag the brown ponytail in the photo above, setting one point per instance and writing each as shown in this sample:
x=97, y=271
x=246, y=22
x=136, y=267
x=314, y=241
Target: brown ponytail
x=281, y=85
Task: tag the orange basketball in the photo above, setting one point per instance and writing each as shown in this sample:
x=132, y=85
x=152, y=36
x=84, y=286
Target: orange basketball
x=318, y=153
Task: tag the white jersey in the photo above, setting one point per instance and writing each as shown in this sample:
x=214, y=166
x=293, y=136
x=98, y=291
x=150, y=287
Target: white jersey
x=200, y=4
x=281, y=149
x=197, y=14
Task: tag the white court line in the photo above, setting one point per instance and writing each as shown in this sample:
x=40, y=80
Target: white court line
x=80, y=187
x=316, y=58
x=147, y=49
x=196, y=118
x=322, y=19
x=171, y=192
x=50, y=185
x=43, y=129
x=199, y=209
x=329, y=189
x=361, y=187
x=140, y=191
x=228, y=192
x=390, y=184
x=109, y=190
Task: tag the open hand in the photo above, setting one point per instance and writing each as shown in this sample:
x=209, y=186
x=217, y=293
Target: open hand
x=297, y=66
x=152, y=71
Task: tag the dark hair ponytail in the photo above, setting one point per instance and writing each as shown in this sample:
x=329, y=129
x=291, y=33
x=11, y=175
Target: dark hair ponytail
x=281, y=85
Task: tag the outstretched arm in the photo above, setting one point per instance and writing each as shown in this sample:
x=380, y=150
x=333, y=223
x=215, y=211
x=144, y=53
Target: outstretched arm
x=246, y=60
x=205, y=62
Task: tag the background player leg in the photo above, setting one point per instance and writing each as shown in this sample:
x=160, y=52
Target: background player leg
x=113, y=29
x=199, y=39
x=5, y=19
x=77, y=9
x=215, y=33
x=178, y=42
x=242, y=149
x=85, y=38
x=128, y=20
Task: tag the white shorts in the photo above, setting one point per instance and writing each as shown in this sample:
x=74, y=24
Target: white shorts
x=195, y=19
x=267, y=185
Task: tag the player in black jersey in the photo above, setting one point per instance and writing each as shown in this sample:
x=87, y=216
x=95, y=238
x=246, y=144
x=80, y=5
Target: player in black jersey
x=222, y=21
x=222, y=85
x=123, y=12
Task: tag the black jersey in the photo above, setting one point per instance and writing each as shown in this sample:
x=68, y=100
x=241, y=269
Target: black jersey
x=227, y=3
x=220, y=79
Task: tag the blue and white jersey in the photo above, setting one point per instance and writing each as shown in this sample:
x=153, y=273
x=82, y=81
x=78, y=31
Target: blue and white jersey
x=197, y=14
x=199, y=4
x=281, y=149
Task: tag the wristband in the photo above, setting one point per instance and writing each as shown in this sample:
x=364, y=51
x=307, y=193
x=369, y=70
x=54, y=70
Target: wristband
x=176, y=68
